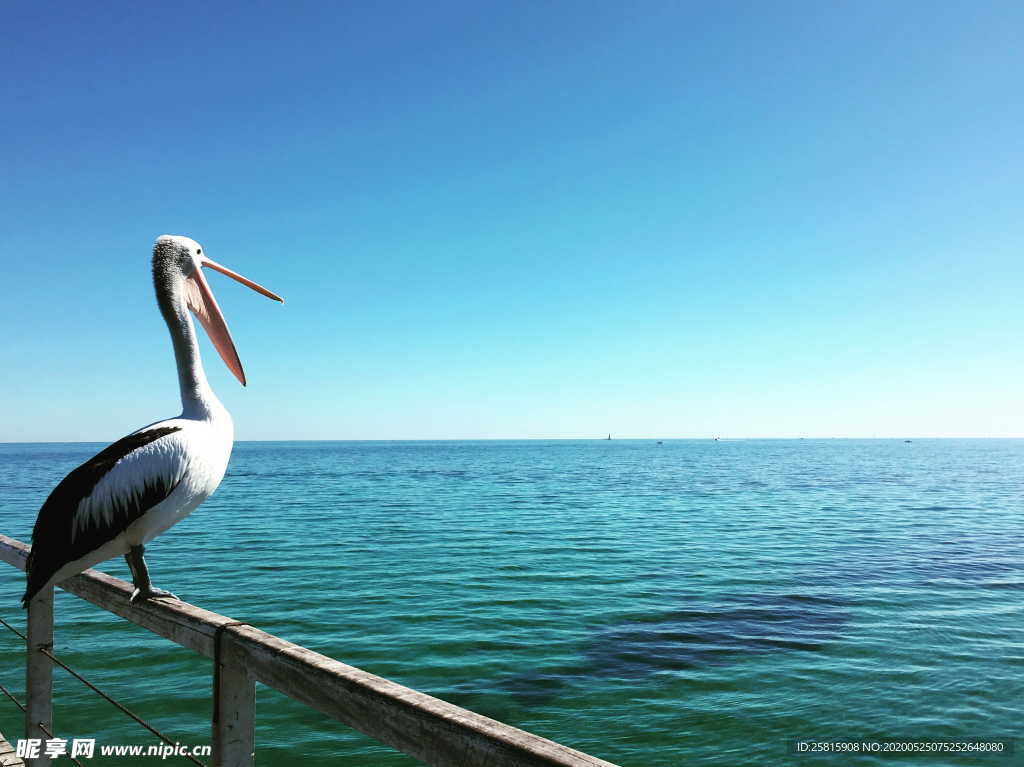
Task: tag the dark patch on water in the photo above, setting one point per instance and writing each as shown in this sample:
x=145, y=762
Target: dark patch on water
x=679, y=640
x=698, y=637
x=535, y=688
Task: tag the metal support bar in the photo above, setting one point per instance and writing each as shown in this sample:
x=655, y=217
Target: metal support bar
x=39, y=671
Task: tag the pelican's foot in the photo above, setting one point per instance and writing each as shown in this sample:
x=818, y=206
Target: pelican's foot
x=150, y=593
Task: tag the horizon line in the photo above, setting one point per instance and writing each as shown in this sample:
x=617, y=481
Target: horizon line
x=555, y=439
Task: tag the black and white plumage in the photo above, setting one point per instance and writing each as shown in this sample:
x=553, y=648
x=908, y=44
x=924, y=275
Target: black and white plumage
x=138, y=487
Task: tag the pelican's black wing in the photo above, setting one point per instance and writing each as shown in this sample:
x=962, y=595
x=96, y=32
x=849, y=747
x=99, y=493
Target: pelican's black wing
x=66, y=531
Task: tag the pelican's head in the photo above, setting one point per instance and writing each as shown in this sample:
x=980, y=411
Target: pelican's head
x=178, y=270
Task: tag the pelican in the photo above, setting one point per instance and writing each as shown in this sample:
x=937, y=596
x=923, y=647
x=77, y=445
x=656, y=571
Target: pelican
x=130, y=492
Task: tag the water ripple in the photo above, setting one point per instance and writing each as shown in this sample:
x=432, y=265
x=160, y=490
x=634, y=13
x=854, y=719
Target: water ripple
x=699, y=602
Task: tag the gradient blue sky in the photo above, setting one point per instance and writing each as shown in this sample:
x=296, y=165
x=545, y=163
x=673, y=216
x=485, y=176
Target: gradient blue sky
x=521, y=219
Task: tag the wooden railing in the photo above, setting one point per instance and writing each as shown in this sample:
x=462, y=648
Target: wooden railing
x=422, y=726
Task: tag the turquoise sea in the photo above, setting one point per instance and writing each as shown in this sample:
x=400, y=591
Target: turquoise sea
x=687, y=603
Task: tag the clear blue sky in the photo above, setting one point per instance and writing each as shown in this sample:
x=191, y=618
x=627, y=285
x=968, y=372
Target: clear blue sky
x=521, y=219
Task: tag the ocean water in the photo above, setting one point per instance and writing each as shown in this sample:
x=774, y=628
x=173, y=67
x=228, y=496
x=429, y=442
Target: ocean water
x=692, y=602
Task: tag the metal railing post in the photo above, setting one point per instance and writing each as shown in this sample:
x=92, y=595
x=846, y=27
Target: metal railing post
x=39, y=671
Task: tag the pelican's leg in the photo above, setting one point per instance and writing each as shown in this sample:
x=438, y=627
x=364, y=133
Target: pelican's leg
x=140, y=576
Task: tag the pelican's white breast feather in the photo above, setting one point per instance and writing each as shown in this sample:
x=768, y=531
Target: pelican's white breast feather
x=169, y=469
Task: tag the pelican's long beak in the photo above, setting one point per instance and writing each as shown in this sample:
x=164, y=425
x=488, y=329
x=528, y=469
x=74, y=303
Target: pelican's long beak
x=201, y=301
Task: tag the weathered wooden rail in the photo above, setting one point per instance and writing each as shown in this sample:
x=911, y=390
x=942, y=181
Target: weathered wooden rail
x=422, y=726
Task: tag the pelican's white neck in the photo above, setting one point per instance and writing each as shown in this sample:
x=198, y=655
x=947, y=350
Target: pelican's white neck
x=197, y=398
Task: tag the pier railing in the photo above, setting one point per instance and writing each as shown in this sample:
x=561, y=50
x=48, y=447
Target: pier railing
x=426, y=728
